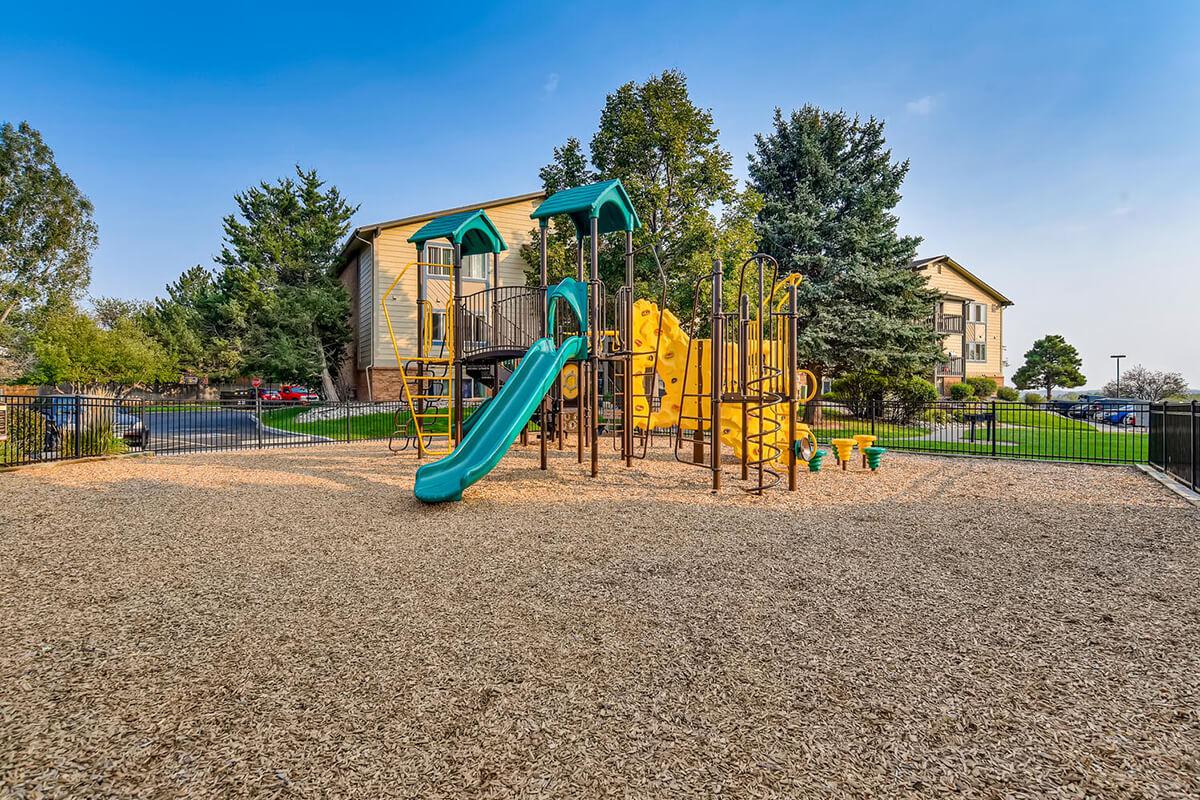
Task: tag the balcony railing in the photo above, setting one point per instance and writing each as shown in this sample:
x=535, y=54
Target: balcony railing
x=948, y=323
x=952, y=366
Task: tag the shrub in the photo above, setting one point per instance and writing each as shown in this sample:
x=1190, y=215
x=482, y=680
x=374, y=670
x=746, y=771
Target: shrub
x=1032, y=398
x=910, y=396
x=937, y=416
x=1008, y=394
x=984, y=387
x=26, y=435
x=961, y=391
x=860, y=392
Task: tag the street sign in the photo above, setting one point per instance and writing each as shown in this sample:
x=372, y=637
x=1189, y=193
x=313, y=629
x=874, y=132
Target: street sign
x=256, y=382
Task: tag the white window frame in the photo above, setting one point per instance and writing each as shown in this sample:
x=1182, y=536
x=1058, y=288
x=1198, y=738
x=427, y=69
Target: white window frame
x=437, y=319
x=979, y=348
x=440, y=257
x=977, y=313
x=440, y=260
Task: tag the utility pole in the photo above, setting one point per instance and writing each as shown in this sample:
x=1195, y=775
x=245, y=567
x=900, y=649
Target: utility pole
x=1118, y=358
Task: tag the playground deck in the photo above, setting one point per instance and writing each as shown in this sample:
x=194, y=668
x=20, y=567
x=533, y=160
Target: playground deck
x=292, y=621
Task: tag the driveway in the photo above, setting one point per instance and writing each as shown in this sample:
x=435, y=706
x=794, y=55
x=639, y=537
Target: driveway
x=214, y=429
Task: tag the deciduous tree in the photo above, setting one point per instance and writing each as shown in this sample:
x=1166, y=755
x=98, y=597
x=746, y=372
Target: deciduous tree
x=46, y=229
x=1147, y=384
x=71, y=347
x=664, y=149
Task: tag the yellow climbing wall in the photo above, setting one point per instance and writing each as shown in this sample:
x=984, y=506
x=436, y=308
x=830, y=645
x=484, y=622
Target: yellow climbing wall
x=670, y=347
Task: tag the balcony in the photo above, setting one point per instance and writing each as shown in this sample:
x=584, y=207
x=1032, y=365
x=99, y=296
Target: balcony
x=952, y=367
x=948, y=323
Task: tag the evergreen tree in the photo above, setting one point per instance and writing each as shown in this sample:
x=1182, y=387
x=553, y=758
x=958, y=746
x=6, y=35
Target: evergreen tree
x=279, y=301
x=829, y=187
x=187, y=322
x=664, y=149
x=1050, y=362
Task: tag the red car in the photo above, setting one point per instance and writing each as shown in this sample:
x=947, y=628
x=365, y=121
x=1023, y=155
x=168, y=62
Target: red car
x=269, y=395
x=298, y=394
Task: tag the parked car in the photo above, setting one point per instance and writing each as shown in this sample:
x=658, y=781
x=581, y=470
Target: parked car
x=61, y=413
x=298, y=394
x=269, y=395
x=234, y=398
x=1128, y=415
x=1096, y=407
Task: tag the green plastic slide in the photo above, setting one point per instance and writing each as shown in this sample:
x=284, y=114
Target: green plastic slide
x=496, y=425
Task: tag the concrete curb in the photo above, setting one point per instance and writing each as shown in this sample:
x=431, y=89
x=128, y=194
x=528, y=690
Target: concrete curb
x=1172, y=484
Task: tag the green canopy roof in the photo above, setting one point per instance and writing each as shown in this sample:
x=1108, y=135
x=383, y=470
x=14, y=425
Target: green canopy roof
x=607, y=201
x=473, y=230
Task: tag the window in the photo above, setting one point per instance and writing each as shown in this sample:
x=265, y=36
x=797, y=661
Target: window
x=976, y=351
x=977, y=312
x=439, y=326
x=475, y=267
x=440, y=257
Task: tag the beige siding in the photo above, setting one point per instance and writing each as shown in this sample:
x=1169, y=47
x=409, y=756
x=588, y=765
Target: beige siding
x=394, y=252
x=956, y=288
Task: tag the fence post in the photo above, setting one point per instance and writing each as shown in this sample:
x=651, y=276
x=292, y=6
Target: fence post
x=993, y=424
x=78, y=423
x=873, y=409
x=1195, y=461
x=347, y=404
x=258, y=417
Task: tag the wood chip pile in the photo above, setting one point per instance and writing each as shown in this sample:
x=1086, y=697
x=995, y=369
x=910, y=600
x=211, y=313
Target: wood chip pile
x=291, y=623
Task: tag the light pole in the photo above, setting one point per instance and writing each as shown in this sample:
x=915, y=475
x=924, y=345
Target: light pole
x=1118, y=358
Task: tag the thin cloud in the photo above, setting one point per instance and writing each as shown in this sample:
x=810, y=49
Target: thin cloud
x=551, y=84
x=922, y=105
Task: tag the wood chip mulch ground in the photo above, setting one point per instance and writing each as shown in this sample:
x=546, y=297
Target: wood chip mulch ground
x=291, y=623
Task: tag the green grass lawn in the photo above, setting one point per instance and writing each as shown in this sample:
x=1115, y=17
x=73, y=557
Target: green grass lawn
x=1023, y=432
x=1072, y=445
x=367, y=426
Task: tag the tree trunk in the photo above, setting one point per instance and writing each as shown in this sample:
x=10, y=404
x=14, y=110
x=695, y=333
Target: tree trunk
x=327, y=386
x=8, y=310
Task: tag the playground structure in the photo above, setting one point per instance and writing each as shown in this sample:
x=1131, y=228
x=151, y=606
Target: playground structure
x=573, y=359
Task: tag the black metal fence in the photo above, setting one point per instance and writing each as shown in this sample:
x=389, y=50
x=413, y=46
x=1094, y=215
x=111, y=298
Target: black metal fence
x=1175, y=441
x=66, y=427
x=57, y=428
x=1043, y=431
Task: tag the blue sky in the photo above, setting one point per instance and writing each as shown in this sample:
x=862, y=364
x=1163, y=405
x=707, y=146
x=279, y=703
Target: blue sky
x=1053, y=145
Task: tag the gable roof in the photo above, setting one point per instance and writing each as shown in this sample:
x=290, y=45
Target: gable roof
x=925, y=263
x=607, y=201
x=358, y=236
x=473, y=230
